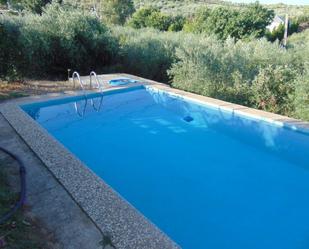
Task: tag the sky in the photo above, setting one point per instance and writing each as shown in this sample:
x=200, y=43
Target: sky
x=295, y=2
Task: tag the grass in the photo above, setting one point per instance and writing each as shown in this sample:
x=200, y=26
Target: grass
x=20, y=232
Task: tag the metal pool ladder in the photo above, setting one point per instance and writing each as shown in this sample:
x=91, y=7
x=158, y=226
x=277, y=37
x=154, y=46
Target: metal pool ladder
x=97, y=83
x=75, y=77
x=99, y=87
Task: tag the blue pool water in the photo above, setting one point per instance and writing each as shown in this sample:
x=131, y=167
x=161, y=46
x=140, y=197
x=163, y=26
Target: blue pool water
x=208, y=178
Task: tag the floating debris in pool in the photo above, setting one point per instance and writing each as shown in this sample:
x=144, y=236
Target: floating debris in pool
x=188, y=118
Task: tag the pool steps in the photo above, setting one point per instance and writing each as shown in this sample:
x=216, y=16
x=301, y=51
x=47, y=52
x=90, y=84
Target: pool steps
x=99, y=86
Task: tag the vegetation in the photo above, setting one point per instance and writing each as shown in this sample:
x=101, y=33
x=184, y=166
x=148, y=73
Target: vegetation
x=34, y=5
x=182, y=7
x=250, y=21
x=149, y=53
x=221, y=52
x=190, y=7
x=48, y=44
x=278, y=33
x=116, y=11
x=301, y=101
x=255, y=73
x=154, y=18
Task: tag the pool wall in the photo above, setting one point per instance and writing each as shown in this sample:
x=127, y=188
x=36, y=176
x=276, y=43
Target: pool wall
x=113, y=215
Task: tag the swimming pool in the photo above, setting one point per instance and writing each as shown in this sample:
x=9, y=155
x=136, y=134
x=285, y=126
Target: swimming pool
x=208, y=178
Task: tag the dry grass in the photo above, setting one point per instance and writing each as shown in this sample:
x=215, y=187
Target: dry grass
x=21, y=89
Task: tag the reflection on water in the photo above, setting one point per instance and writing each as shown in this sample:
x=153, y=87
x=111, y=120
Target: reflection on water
x=81, y=105
x=291, y=145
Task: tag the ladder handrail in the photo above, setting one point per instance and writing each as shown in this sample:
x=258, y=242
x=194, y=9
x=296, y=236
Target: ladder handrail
x=98, y=85
x=76, y=75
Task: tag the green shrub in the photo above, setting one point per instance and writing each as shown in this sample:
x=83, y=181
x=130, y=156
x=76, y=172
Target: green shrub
x=250, y=21
x=176, y=23
x=298, y=40
x=153, y=18
x=301, y=100
x=35, y=6
x=256, y=73
x=273, y=89
x=147, y=52
x=59, y=39
x=10, y=55
x=116, y=11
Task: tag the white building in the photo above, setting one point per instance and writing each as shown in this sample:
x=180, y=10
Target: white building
x=275, y=23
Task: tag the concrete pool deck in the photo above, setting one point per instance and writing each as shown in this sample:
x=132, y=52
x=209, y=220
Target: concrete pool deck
x=112, y=215
x=59, y=216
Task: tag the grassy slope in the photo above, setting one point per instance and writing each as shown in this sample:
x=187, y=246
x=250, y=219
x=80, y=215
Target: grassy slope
x=190, y=6
x=299, y=38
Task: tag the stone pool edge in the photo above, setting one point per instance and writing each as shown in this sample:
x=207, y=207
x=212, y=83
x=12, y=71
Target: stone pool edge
x=113, y=215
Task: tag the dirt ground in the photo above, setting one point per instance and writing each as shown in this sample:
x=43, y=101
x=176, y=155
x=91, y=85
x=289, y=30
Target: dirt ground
x=9, y=90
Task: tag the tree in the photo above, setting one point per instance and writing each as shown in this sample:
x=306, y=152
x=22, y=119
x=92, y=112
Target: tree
x=35, y=5
x=252, y=21
x=140, y=19
x=116, y=11
x=225, y=22
x=177, y=23
x=154, y=18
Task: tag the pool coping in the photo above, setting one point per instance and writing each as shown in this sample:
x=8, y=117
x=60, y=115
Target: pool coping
x=111, y=213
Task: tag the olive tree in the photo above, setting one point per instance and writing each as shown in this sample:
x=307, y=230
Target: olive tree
x=116, y=11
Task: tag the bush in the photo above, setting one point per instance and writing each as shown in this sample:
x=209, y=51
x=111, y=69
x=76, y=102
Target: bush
x=116, y=11
x=35, y=6
x=273, y=89
x=225, y=22
x=10, y=56
x=49, y=44
x=298, y=40
x=301, y=101
x=147, y=53
x=176, y=23
x=257, y=73
x=154, y=18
